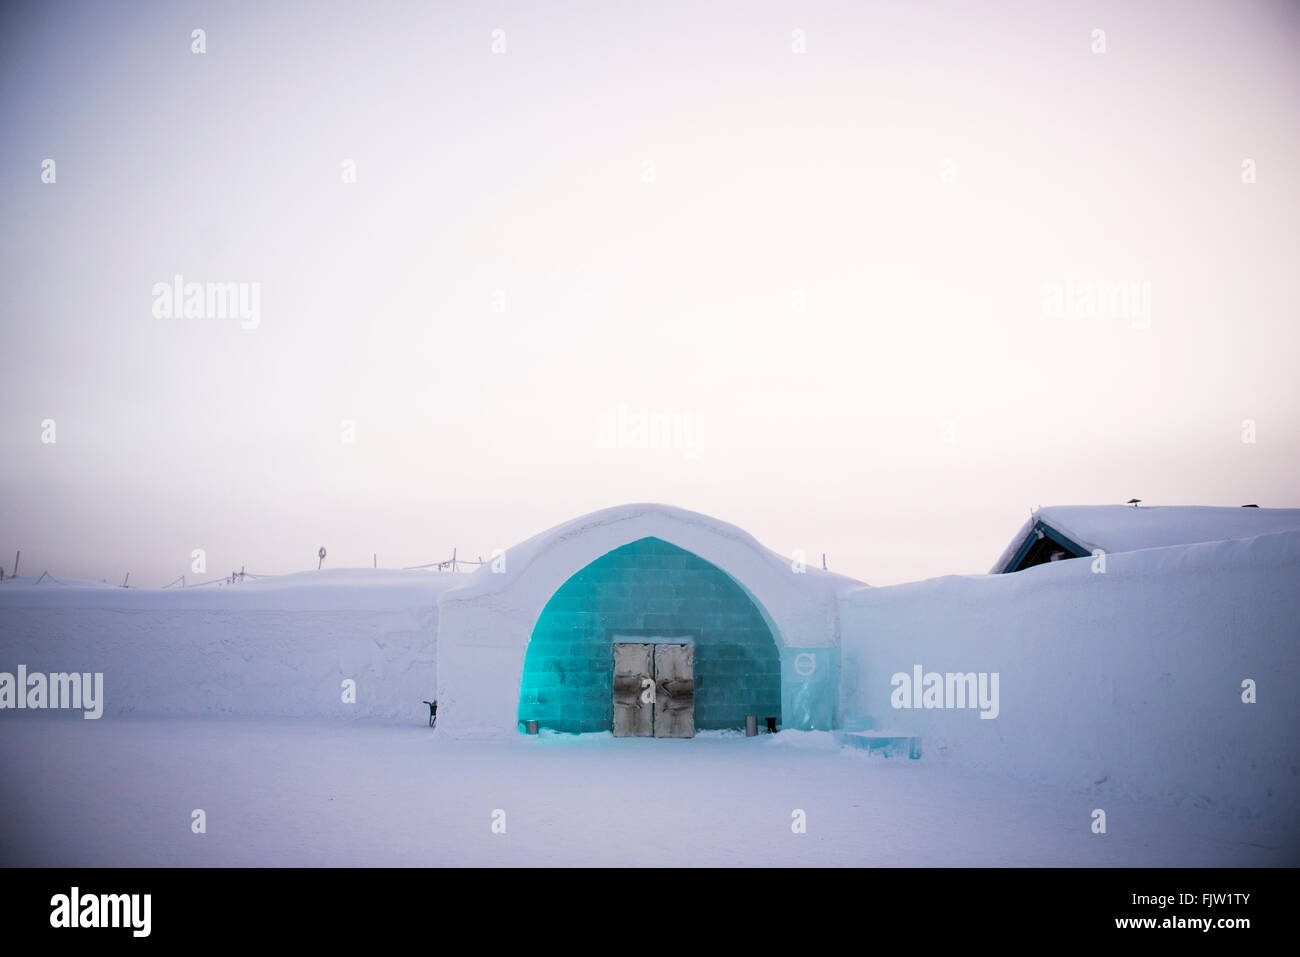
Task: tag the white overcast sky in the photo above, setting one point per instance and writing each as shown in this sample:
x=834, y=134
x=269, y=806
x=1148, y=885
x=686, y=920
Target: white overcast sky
x=903, y=421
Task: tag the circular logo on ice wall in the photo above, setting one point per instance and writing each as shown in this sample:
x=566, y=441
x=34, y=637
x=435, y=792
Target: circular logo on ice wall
x=805, y=664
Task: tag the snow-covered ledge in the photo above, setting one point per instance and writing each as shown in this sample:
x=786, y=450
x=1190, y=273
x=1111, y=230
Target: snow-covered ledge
x=485, y=624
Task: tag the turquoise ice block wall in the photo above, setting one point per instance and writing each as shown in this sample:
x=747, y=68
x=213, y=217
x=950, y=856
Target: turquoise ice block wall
x=810, y=686
x=643, y=589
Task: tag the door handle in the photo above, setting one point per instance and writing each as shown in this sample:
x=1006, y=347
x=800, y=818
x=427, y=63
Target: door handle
x=627, y=684
x=678, y=693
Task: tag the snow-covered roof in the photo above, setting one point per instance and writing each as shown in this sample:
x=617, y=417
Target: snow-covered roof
x=1125, y=528
x=521, y=556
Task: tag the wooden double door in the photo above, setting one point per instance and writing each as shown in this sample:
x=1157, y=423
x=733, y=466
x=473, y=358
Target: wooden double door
x=654, y=690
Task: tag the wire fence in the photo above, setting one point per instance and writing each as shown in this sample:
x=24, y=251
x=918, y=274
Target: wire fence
x=454, y=564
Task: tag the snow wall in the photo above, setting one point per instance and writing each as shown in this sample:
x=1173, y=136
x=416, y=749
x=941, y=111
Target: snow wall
x=1127, y=681
x=271, y=648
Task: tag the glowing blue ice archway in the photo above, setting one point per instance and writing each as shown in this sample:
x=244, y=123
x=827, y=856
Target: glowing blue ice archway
x=650, y=588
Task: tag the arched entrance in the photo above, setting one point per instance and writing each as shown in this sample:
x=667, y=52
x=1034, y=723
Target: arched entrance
x=649, y=591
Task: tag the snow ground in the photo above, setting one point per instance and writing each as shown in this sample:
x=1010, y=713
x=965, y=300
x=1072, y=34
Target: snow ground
x=284, y=792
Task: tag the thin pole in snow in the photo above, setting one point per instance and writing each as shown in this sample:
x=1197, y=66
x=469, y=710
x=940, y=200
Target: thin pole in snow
x=125, y=580
x=17, y=555
x=823, y=561
x=376, y=559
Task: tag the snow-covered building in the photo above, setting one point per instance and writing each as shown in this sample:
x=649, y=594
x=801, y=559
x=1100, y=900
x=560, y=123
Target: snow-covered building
x=1164, y=670
x=1077, y=531
x=537, y=635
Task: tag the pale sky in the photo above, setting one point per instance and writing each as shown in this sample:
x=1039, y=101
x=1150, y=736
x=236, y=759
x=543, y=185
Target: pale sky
x=834, y=266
